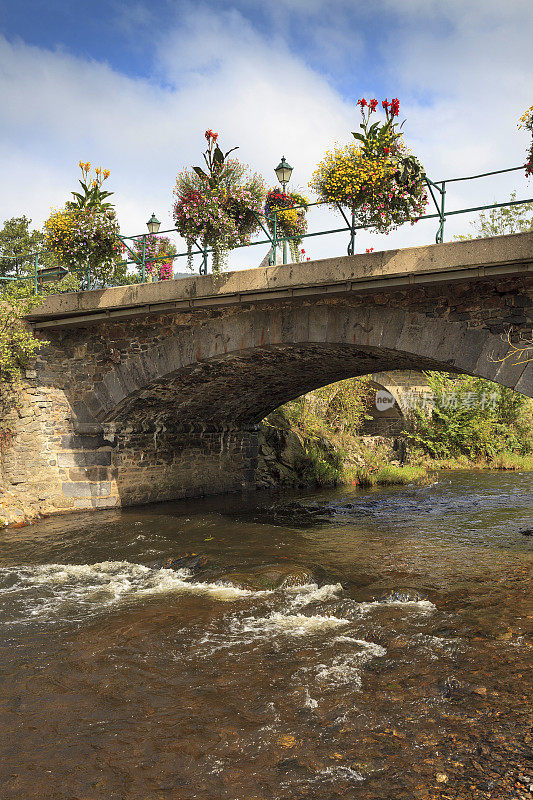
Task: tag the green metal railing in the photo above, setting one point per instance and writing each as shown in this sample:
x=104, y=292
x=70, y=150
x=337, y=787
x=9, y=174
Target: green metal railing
x=269, y=225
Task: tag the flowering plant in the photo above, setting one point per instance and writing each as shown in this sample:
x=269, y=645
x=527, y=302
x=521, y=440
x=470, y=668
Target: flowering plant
x=84, y=234
x=376, y=177
x=158, y=254
x=85, y=239
x=217, y=208
x=93, y=195
x=526, y=121
x=290, y=209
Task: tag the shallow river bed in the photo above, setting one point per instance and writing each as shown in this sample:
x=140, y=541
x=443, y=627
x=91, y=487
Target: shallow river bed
x=398, y=670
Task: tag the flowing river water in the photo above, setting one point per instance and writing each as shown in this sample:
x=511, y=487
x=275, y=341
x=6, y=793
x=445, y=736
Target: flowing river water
x=384, y=656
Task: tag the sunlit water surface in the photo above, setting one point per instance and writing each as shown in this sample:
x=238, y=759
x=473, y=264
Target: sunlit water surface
x=124, y=680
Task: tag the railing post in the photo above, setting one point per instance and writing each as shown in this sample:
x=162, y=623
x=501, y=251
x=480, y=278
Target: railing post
x=351, y=246
x=274, y=238
x=35, y=285
x=204, y=261
x=143, y=265
x=440, y=233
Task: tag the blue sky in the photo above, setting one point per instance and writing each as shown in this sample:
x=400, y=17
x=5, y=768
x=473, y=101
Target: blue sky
x=132, y=86
x=126, y=35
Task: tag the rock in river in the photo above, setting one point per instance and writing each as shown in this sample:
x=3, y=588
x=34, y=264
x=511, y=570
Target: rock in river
x=270, y=576
x=190, y=561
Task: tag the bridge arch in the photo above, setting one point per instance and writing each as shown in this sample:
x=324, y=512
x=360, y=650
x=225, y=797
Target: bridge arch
x=233, y=369
x=156, y=391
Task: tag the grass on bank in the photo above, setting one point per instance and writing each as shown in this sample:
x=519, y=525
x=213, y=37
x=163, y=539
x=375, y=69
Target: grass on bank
x=500, y=462
x=390, y=475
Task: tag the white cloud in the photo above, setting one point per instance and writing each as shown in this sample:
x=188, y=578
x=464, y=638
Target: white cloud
x=215, y=70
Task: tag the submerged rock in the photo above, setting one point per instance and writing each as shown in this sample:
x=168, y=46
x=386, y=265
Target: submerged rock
x=190, y=561
x=270, y=576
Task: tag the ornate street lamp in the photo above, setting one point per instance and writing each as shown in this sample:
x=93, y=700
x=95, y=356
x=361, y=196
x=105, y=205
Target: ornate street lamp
x=283, y=172
x=153, y=224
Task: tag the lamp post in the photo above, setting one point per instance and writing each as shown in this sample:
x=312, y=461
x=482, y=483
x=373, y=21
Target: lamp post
x=283, y=173
x=153, y=225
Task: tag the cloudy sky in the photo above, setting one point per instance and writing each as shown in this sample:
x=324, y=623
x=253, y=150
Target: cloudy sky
x=132, y=86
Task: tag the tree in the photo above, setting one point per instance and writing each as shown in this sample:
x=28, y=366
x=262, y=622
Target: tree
x=501, y=221
x=17, y=246
x=17, y=342
x=472, y=417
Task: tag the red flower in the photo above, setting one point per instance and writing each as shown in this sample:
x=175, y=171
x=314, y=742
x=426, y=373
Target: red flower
x=395, y=107
x=385, y=103
x=373, y=105
x=386, y=150
x=369, y=249
x=362, y=102
x=209, y=134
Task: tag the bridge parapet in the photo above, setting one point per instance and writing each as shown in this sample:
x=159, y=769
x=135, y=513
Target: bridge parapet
x=388, y=270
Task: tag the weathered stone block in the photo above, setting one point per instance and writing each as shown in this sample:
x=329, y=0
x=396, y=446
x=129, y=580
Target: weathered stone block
x=99, y=458
x=92, y=474
x=84, y=442
x=86, y=489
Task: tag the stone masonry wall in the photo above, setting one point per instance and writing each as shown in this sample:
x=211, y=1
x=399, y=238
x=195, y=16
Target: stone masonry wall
x=48, y=467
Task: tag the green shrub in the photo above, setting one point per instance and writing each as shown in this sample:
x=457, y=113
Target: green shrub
x=472, y=417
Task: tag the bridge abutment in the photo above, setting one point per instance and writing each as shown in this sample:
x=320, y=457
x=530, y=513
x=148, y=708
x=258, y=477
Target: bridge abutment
x=51, y=464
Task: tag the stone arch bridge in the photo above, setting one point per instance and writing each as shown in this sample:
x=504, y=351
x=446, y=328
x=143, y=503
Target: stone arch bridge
x=156, y=391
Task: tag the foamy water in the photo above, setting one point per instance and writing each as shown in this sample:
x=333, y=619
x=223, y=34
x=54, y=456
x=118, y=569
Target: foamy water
x=312, y=593
x=420, y=606
x=293, y=624
x=50, y=591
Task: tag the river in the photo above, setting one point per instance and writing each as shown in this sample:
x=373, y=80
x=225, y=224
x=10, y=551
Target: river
x=398, y=670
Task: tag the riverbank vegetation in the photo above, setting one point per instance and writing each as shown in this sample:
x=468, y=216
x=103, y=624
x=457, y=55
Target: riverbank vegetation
x=459, y=423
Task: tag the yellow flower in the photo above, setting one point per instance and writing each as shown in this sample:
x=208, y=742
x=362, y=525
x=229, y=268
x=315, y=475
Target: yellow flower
x=526, y=116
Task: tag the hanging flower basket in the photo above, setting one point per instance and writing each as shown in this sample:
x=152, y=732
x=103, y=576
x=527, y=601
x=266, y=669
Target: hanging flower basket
x=158, y=256
x=85, y=239
x=217, y=208
x=83, y=235
x=526, y=121
x=375, y=178
x=291, y=222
